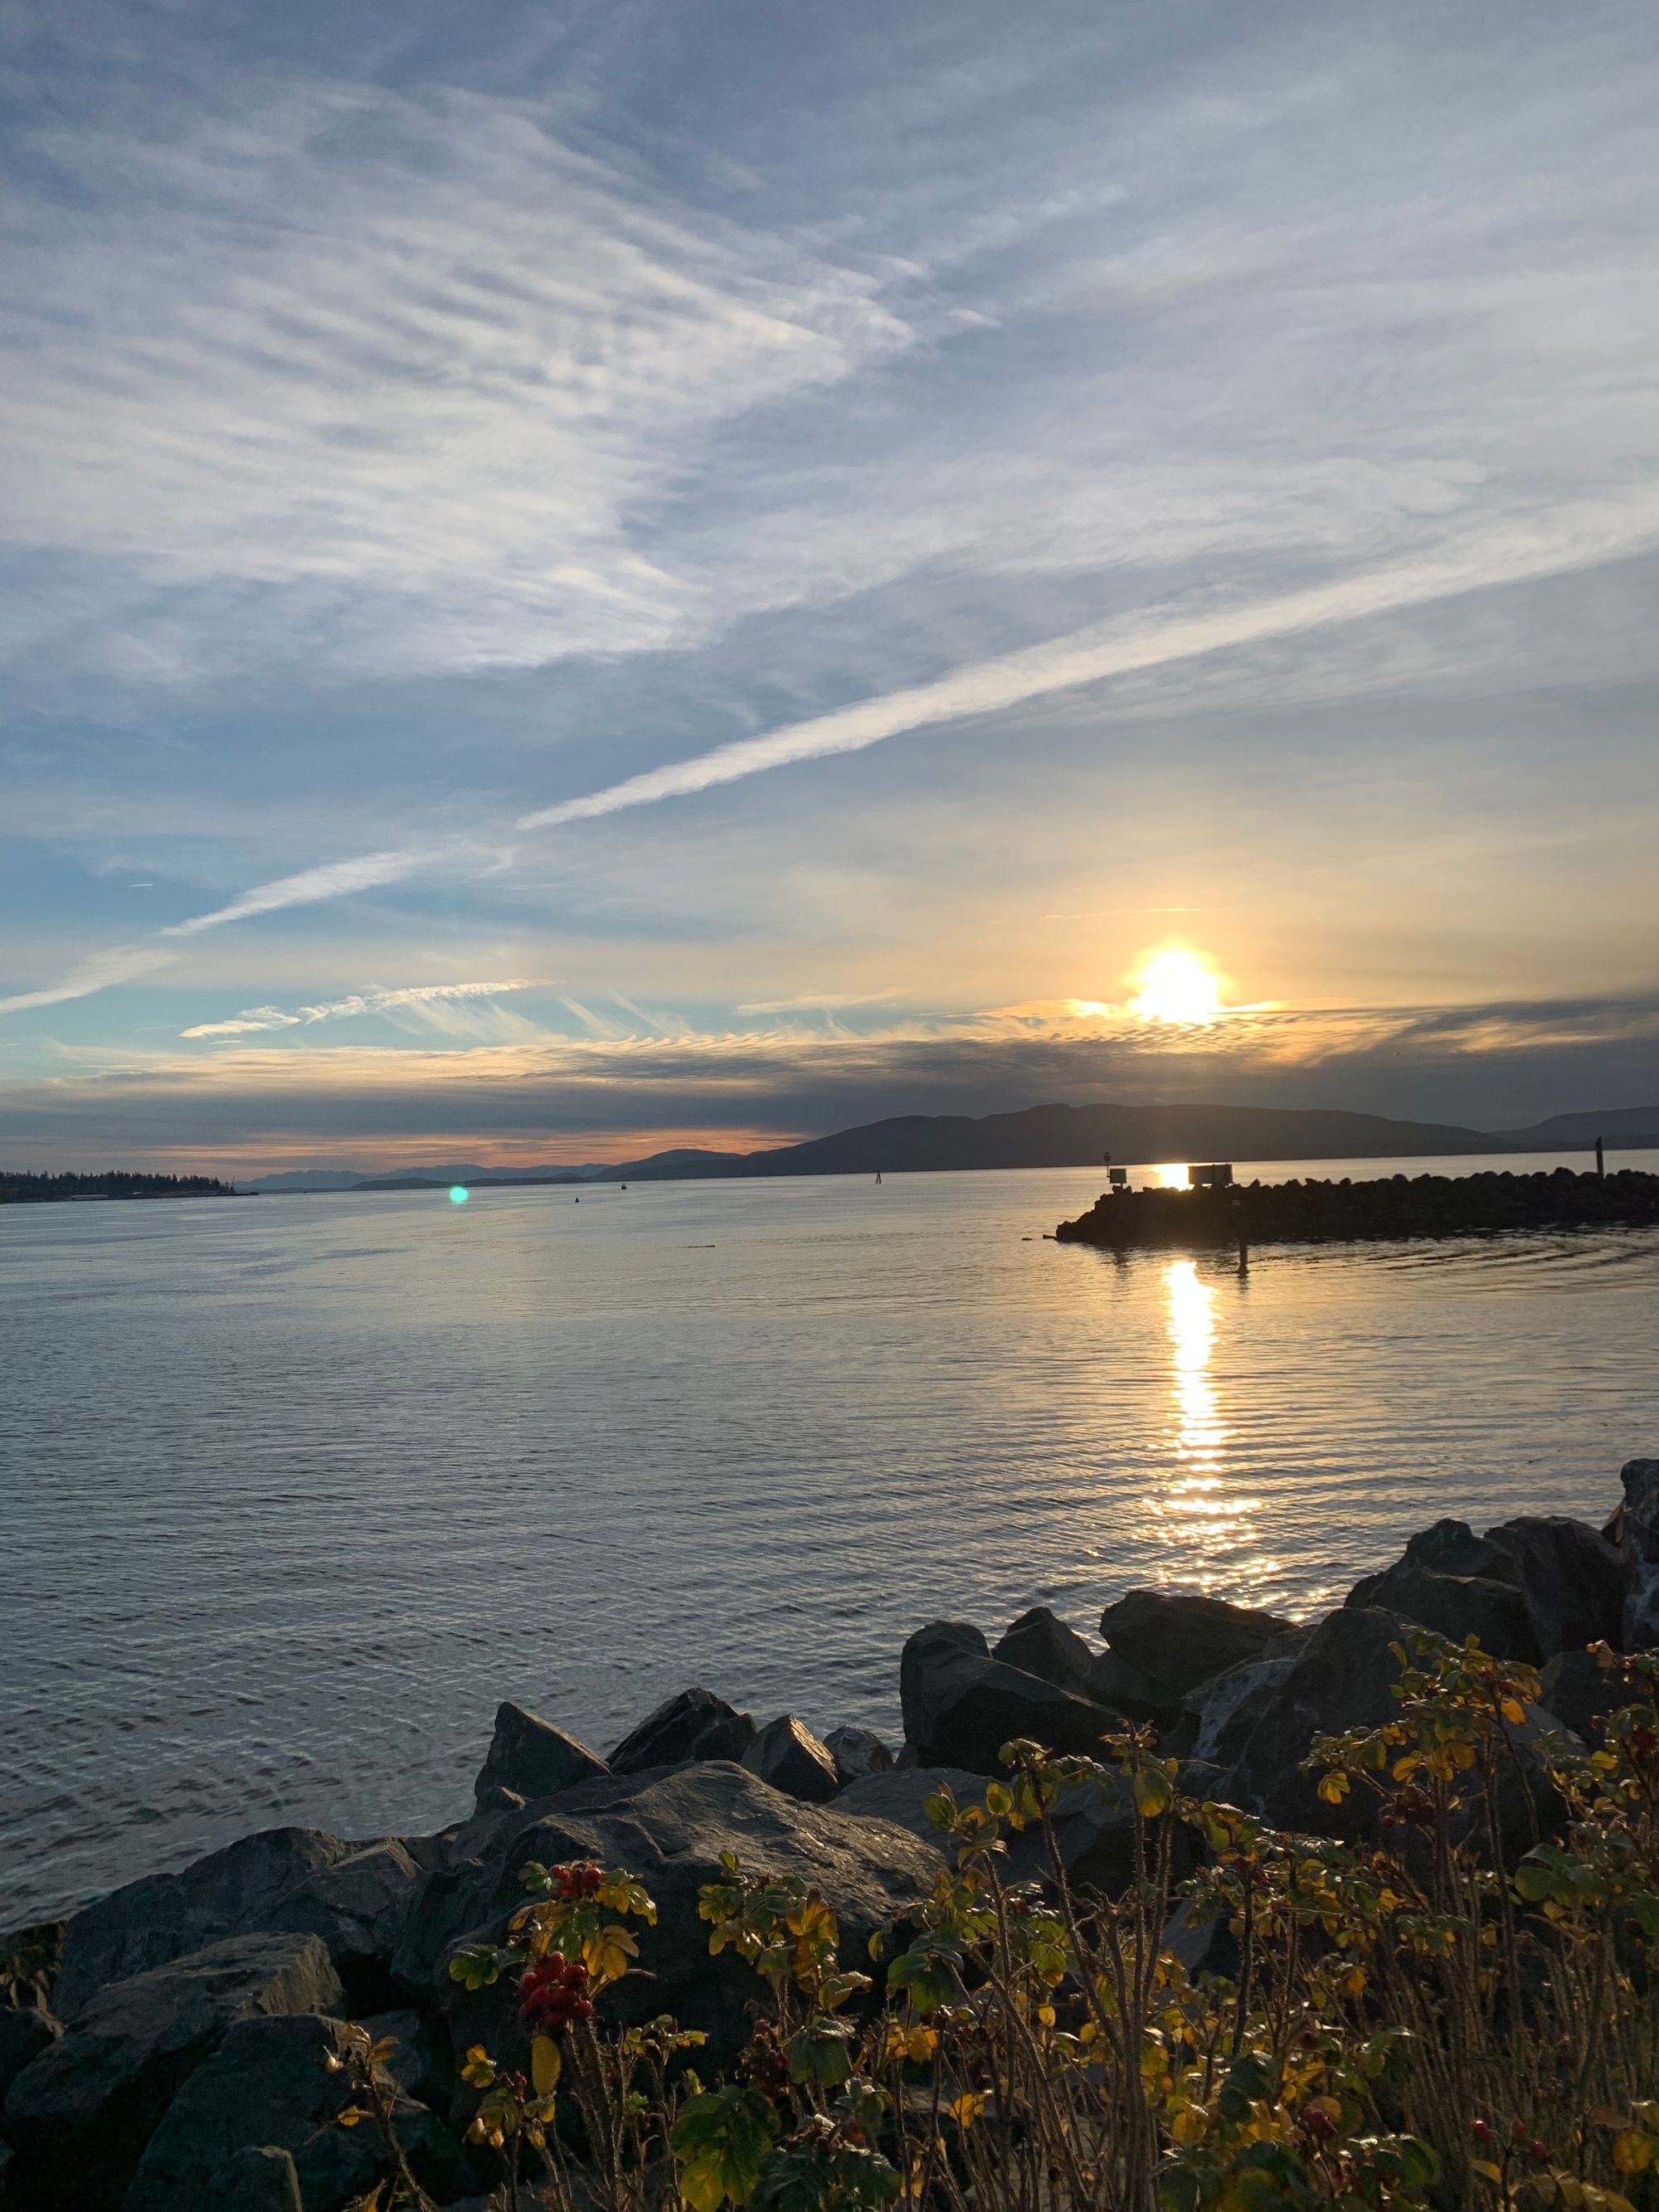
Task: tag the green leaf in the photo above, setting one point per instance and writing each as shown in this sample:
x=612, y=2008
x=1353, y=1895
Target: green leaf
x=818, y=2052
x=478, y=1965
x=724, y=2138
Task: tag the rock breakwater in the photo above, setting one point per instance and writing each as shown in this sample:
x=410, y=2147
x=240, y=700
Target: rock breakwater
x=1398, y=1205
x=179, y=2041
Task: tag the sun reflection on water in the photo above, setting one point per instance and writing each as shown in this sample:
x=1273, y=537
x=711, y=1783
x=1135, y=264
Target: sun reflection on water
x=1197, y=1499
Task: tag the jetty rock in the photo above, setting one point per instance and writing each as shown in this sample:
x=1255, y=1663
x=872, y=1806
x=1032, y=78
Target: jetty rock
x=1382, y=1207
x=670, y=1830
x=79, y=2119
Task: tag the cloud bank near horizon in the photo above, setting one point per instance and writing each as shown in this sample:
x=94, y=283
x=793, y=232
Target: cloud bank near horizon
x=539, y=1096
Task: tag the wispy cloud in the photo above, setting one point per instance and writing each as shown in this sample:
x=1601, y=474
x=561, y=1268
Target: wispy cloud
x=1576, y=536
x=121, y=963
x=815, y=1002
x=428, y=1000
x=334, y=880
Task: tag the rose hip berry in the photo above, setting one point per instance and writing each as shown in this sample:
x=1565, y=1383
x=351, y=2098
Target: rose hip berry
x=579, y=1880
x=553, y=1994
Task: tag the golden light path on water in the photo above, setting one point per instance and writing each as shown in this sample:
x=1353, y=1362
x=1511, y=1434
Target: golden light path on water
x=1197, y=1499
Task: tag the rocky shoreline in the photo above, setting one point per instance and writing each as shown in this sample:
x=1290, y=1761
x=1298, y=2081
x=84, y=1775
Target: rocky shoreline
x=174, y=2046
x=1398, y=1205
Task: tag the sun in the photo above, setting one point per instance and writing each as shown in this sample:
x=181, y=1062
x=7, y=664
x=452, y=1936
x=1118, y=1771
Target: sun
x=1176, y=986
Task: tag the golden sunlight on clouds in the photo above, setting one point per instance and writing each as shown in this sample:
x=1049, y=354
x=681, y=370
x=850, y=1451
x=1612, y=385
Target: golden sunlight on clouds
x=1176, y=986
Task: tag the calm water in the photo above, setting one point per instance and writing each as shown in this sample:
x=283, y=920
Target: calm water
x=294, y=1490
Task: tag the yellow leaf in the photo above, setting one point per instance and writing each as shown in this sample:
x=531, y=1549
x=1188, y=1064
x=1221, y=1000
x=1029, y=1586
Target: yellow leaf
x=545, y=2064
x=1632, y=2151
x=966, y=2109
x=1513, y=1711
x=1046, y=2015
x=1484, y=2168
x=606, y=1954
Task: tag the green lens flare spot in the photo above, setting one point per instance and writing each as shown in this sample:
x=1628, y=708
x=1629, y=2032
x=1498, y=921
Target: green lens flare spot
x=459, y=1194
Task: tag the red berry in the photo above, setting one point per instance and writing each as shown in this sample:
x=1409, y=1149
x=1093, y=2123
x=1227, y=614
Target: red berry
x=1537, y=2153
x=1481, y=2132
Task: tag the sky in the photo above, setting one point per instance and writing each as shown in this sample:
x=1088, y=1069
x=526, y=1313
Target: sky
x=597, y=574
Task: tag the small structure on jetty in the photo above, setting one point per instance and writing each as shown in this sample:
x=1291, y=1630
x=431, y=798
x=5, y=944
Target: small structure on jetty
x=1317, y=1212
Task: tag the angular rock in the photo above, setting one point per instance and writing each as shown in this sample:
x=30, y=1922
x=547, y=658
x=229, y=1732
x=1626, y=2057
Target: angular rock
x=1039, y=1643
x=420, y=2065
x=80, y=2115
x=1341, y=1678
x=1182, y=1636
x=928, y=1668
x=258, y=2179
x=1638, y=1628
x=1580, y=1694
x=900, y=1796
x=1451, y=1547
x=1637, y=1519
x=1203, y=1942
x=499, y=1801
x=269, y=2084
x=289, y=1880
x=1111, y=1680
x=857, y=1752
x=1226, y=1710
x=1638, y=1516
x=1569, y=1577
x=692, y=1725
x=670, y=1830
x=531, y=1758
x=961, y=1705
x=788, y=1756
x=24, y=2034
x=1454, y=1606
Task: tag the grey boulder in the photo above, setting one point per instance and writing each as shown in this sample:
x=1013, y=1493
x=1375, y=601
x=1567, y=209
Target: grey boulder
x=420, y=2065
x=1570, y=1579
x=25, y=2033
x=670, y=1831
x=530, y=1758
x=1223, y=1711
x=1637, y=1518
x=1039, y=1643
x=857, y=1752
x=1451, y=1547
x=692, y=1725
x=80, y=2116
x=961, y=1705
x=1113, y=1680
x=271, y=2084
x=1575, y=1690
x=788, y=1756
x=286, y=1880
x=1456, y=1607
x=1342, y=1678
x=261, y=2179
x=1182, y=1636
x=1638, y=1521
x=899, y=1795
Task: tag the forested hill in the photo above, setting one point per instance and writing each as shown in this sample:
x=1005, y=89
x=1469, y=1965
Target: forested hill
x=114, y=1183
x=1078, y=1136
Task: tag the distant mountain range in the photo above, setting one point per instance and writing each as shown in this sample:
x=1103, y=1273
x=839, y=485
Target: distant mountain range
x=1037, y=1137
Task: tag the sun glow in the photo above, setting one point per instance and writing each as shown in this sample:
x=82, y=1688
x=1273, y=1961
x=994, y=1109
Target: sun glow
x=1176, y=986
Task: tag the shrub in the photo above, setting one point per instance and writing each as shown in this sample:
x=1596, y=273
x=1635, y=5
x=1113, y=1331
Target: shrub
x=1409, y=2025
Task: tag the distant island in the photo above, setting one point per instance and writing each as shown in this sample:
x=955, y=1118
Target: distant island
x=44, y=1189
x=1037, y=1137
